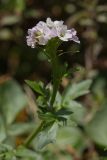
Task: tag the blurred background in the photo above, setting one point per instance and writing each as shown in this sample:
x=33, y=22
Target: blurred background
x=88, y=140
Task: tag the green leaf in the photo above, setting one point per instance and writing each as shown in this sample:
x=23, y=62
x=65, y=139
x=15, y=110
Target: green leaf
x=48, y=116
x=74, y=91
x=6, y=152
x=20, y=128
x=97, y=127
x=69, y=135
x=78, y=111
x=12, y=100
x=5, y=148
x=37, y=87
x=63, y=114
x=46, y=136
x=64, y=111
x=23, y=152
x=2, y=130
x=9, y=156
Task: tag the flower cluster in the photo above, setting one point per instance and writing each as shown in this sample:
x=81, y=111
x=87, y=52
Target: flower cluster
x=44, y=31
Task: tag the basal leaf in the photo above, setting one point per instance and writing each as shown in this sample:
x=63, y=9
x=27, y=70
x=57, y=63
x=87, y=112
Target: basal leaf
x=20, y=128
x=12, y=100
x=97, y=127
x=69, y=135
x=74, y=91
x=23, y=152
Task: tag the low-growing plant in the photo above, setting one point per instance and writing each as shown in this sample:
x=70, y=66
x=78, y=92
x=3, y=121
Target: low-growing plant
x=55, y=108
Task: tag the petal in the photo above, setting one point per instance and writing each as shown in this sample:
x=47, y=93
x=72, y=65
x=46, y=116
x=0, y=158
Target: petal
x=75, y=39
x=73, y=31
x=63, y=38
x=49, y=22
x=58, y=23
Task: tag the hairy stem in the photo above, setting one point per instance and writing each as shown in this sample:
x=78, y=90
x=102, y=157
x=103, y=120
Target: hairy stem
x=51, y=53
x=55, y=89
x=33, y=135
x=55, y=68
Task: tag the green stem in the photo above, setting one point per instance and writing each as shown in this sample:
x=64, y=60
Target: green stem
x=55, y=68
x=51, y=53
x=55, y=88
x=33, y=135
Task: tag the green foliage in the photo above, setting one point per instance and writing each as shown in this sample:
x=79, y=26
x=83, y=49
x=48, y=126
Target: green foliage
x=8, y=153
x=37, y=87
x=2, y=130
x=97, y=127
x=76, y=90
x=58, y=70
x=78, y=110
x=23, y=152
x=12, y=102
x=15, y=5
x=65, y=109
x=48, y=135
x=72, y=92
x=17, y=129
x=86, y=120
x=69, y=135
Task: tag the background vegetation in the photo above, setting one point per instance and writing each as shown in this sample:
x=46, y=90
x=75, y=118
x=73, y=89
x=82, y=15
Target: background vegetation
x=86, y=137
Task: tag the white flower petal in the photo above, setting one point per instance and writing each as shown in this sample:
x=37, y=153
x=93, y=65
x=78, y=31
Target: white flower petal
x=43, y=32
x=75, y=39
x=49, y=22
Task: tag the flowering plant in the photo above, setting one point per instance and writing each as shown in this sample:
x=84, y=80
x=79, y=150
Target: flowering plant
x=54, y=108
x=43, y=32
x=50, y=34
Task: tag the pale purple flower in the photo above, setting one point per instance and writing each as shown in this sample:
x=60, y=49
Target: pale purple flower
x=70, y=35
x=40, y=34
x=60, y=30
x=43, y=32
